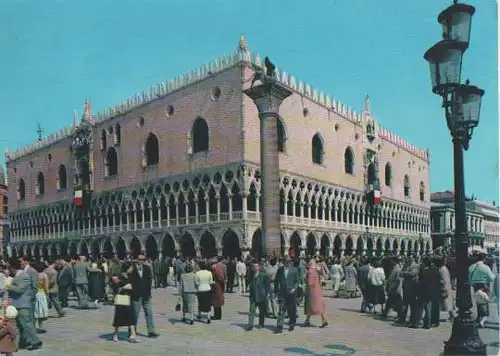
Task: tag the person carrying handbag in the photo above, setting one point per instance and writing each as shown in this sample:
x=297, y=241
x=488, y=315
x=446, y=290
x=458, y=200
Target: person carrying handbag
x=124, y=310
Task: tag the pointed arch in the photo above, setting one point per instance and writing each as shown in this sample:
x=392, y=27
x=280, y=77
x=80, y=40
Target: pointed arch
x=311, y=244
x=208, y=245
x=372, y=174
x=325, y=245
x=406, y=186
x=231, y=244
x=317, y=149
x=121, y=248
x=103, y=140
x=200, y=135
x=422, y=191
x=21, y=189
x=40, y=184
x=388, y=174
x=62, y=177
x=151, y=248
x=111, y=163
x=296, y=243
x=107, y=248
x=135, y=247
x=168, y=246
x=349, y=160
x=152, y=150
x=257, y=244
x=187, y=245
x=118, y=135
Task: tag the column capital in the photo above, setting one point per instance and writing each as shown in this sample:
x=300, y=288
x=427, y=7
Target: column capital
x=268, y=96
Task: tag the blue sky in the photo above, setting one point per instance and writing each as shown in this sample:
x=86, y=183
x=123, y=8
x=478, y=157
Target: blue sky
x=54, y=54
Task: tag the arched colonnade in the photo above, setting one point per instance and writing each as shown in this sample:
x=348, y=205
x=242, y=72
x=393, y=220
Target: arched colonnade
x=207, y=244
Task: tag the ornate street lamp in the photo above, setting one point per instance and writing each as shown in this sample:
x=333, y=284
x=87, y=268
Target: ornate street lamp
x=462, y=104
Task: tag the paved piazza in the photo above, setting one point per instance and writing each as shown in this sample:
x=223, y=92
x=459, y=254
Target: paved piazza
x=87, y=333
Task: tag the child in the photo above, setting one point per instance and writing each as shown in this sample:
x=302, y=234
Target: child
x=482, y=300
x=8, y=331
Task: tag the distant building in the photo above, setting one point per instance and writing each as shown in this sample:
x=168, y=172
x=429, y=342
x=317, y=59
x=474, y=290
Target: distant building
x=482, y=220
x=4, y=220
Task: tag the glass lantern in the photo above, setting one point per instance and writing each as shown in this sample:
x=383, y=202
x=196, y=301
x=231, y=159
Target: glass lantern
x=445, y=60
x=466, y=109
x=456, y=22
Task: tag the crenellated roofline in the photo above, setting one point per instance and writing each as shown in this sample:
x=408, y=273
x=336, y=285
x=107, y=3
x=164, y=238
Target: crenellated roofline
x=222, y=63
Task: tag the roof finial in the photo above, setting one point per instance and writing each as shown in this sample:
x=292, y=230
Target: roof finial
x=75, y=118
x=243, y=50
x=242, y=45
x=87, y=111
x=39, y=131
x=367, y=108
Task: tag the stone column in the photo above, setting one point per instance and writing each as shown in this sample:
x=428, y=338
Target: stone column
x=268, y=97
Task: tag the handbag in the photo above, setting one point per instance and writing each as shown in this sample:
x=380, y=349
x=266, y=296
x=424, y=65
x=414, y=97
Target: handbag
x=122, y=299
x=178, y=305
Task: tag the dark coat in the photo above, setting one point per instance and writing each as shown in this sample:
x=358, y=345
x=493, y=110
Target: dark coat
x=259, y=288
x=283, y=285
x=429, y=284
x=65, y=277
x=141, y=287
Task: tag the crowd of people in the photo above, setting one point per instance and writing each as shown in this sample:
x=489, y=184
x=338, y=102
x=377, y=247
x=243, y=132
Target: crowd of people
x=421, y=286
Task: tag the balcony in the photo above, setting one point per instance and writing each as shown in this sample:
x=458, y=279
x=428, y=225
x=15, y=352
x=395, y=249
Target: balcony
x=236, y=216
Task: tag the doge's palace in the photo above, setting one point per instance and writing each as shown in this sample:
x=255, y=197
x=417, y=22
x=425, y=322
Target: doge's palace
x=175, y=170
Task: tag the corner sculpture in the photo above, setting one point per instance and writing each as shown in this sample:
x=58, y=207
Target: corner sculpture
x=268, y=76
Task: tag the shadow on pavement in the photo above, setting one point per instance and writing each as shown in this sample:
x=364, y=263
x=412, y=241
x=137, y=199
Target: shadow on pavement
x=244, y=326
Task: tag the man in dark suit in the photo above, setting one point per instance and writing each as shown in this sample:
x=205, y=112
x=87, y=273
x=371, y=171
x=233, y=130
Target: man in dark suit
x=258, y=292
x=141, y=278
x=65, y=282
x=231, y=273
x=22, y=295
x=285, y=286
x=363, y=272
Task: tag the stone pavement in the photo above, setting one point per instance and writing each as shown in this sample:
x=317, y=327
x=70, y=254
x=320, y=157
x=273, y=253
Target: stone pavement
x=88, y=333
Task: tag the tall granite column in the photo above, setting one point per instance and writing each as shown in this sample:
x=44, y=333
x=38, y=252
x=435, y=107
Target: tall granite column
x=268, y=97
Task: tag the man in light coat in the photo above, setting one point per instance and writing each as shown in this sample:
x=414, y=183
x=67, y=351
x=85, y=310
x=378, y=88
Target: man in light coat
x=80, y=271
x=21, y=295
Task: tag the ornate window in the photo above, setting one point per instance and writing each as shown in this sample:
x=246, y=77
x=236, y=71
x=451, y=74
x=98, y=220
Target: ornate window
x=118, y=135
x=317, y=149
x=388, y=174
x=406, y=186
x=281, y=135
x=200, y=135
x=103, y=140
x=372, y=175
x=152, y=151
x=21, y=190
x=349, y=161
x=40, y=184
x=111, y=163
x=422, y=191
x=62, y=178
x=370, y=131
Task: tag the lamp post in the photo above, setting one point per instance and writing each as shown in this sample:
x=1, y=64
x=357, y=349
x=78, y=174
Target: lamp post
x=462, y=103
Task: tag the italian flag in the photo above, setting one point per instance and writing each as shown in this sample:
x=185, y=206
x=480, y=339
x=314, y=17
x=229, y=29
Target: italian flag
x=78, y=200
x=376, y=197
